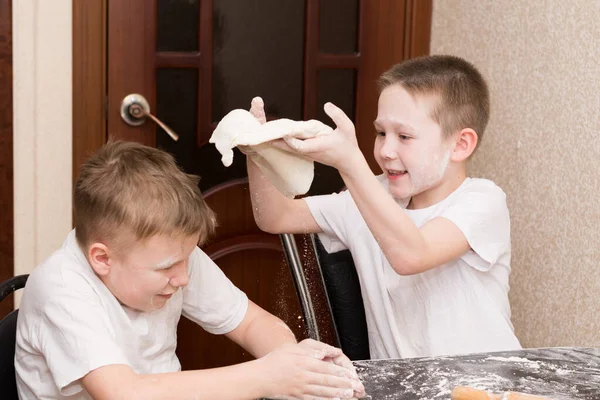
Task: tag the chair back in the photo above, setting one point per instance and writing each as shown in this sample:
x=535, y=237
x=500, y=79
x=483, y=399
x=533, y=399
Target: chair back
x=343, y=292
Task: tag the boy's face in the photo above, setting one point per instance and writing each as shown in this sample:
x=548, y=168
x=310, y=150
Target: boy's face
x=150, y=272
x=409, y=147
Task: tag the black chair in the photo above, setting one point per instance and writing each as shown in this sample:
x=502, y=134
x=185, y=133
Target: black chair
x=8, y=333
x=342, y=288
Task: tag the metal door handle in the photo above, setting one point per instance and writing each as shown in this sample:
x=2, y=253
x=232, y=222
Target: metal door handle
x=135, y=109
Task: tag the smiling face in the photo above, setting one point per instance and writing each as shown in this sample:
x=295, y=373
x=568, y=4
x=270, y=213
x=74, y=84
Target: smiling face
x=409, y=148
x=148, y=273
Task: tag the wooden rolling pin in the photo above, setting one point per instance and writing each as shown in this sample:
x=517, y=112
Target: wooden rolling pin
x=467, y=393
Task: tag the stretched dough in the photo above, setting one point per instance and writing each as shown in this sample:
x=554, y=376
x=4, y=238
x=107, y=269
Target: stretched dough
x=290, y=173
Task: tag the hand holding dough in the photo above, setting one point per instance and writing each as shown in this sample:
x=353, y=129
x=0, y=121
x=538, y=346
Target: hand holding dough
x=290, y=173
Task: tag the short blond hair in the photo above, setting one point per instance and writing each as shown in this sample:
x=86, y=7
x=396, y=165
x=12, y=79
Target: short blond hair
x=138, y=190
x=463, y=99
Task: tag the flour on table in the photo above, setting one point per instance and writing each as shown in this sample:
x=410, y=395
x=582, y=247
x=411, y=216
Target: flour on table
x=529, y=363
x=291, y=174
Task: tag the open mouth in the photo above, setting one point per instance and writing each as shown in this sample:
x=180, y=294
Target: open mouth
x=394, y=173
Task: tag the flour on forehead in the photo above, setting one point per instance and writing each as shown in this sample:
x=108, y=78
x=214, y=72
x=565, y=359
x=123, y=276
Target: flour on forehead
x=291, y=174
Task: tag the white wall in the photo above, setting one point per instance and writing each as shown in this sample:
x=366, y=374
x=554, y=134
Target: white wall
x=42, y=93
x=542, y=146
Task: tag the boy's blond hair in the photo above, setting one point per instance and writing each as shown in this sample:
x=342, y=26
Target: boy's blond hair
x=128, y=189
x=463, y=96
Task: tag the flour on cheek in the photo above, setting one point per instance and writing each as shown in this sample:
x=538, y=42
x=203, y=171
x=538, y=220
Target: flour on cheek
x=430, y=171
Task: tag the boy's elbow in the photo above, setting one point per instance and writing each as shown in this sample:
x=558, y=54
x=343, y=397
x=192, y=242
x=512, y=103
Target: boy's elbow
x=272, y=231
x=265, y=225
x=408, y=265
x=270, y=221
x=273, y=227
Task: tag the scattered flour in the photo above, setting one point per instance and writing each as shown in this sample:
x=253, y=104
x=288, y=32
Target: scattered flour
x=530, y=364
x=435, y=380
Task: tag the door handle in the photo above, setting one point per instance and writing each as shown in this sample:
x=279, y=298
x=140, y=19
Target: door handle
x=135, y=109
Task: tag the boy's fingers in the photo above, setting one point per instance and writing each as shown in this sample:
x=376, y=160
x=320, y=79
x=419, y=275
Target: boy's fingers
x=350, y=388
x=257, y=109
x=247, y=150
x=322, y=348
x=343, y=361
x=304, y=146
x=281, y=144
x=295, y=144
x=340, y=118
x=328, y=393
x=328, y=374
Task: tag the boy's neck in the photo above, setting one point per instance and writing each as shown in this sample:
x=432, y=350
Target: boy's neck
x=451, y=181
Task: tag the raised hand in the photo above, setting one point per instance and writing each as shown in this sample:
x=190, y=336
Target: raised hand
x=338, y=149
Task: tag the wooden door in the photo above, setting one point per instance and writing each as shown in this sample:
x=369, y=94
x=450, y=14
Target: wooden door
x=195, y=60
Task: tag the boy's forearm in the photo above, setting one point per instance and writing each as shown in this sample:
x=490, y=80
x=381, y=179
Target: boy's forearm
x=267, y=333
x=267, y=202
x=274, y=212
x=397, y=235
x=241, y=381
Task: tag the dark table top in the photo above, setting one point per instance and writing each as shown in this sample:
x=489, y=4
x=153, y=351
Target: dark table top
x=558, y=373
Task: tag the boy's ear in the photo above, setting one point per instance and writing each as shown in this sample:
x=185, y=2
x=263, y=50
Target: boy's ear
x=99, y=258
x=465, y=144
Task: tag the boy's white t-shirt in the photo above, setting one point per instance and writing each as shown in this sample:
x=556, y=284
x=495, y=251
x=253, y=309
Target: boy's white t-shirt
x=457, y=308
x=70, y=323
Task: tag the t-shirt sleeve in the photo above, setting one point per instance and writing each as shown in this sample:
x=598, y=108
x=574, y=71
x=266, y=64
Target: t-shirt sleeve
x=210, y=299
x=76, y=338
x=482, y=215
x=331, y=212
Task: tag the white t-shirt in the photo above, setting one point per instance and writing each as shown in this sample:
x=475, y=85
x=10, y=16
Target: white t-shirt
x=457, y=308
x=70, y=323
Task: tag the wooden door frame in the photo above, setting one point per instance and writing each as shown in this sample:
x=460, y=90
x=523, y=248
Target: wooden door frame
x=89, y=79
x=90, y=67
x=6, y=151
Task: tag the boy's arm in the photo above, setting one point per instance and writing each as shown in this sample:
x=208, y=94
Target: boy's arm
x=286, y=369
x=260, y=332
x=121, y=382
x=290, y=372
x=409, y=250
x=273, y=212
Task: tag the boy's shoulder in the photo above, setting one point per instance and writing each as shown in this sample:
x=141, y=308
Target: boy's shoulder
x=476, y=196
x=482, y=186
x=65, y=271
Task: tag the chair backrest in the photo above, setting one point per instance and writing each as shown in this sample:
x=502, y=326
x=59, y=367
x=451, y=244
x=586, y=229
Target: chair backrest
x=8, y=334
x=343, y=292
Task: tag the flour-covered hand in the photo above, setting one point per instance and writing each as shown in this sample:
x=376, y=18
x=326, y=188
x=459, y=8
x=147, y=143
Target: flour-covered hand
x=302, y=371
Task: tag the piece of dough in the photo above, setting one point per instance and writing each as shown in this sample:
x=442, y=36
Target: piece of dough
x=291, y=174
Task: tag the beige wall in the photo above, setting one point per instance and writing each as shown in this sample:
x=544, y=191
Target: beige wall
x=542, y=146
x=42, y=86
